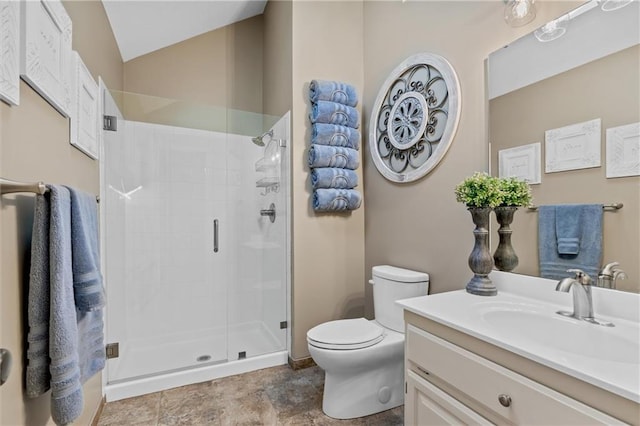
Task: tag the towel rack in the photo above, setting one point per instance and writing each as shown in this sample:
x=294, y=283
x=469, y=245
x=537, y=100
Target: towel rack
x=613, y=206
x=8, y=186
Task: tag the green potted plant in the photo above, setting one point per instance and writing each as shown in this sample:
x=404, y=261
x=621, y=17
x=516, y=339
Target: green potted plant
x=514, y=193
x=480, y=193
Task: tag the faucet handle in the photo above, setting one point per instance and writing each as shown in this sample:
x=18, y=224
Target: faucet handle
x=581, y=277
x=609, y=268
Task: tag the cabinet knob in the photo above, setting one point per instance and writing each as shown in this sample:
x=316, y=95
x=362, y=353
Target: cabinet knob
x=505, y=400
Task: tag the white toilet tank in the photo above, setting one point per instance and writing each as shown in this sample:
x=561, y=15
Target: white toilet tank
x=391, y=284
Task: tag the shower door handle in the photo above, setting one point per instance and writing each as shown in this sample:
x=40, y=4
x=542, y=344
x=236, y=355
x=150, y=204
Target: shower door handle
x=215, y=235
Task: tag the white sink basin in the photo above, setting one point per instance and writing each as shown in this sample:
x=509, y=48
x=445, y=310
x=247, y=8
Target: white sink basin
x=523, y=319
x=568, y=335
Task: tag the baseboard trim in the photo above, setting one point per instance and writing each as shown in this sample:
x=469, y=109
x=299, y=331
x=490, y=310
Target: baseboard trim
x=96, y=416
x=299, y=364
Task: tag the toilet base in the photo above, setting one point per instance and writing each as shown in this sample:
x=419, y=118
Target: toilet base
x=352, y=396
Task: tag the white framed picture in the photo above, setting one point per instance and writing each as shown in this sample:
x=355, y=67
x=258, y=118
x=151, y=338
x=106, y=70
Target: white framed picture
x=45, y=58
x=623, y=151
x=522, y=162
x=573, y=147
x=10, y=51
x=85, y=129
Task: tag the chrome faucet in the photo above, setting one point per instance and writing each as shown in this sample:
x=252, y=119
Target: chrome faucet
x=609, y=274
x=582, y=301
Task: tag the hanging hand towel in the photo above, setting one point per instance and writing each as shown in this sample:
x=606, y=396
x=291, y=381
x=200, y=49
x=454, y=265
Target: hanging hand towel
x=332, y=177
x=66, y=390
x=38, y=305
x=87, y=280
x=334, y=113
x=333, y=156
x=568, y=228
x=554, y=265
x=325, y=200
x=334, y=135
x=335, y=91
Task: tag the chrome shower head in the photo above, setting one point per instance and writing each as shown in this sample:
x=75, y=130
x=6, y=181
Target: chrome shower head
x=260, y=140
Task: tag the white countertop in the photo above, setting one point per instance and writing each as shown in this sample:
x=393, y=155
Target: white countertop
x=522, y=319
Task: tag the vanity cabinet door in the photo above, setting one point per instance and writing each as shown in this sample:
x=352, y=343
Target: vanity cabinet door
x=425, y=404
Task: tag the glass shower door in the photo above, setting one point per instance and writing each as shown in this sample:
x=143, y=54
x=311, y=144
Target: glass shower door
x=166, y=192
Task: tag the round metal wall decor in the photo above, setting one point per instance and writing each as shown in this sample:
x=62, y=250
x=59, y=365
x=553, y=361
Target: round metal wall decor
x=415, y=117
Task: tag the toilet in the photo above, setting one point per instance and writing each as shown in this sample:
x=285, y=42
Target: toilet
x=363, y=360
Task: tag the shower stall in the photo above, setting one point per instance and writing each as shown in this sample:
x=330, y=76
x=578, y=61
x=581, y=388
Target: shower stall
x=195, y=223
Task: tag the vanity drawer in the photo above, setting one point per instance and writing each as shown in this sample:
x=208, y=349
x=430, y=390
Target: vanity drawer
x=485, y=382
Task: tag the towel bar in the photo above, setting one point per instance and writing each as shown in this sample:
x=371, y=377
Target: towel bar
x=613, y=206
x=8, y=186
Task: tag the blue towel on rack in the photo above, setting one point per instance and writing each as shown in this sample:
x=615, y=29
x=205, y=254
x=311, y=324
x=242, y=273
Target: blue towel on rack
x=65, y=344
x=37, y=370
x=554, y=265
x=333, y=156
x=325, y=200
x=333, y=177
x=335, y=91
x=335, y=135
x=568, y=227
x=66, y=389
x=334, y=113
x=87, y=280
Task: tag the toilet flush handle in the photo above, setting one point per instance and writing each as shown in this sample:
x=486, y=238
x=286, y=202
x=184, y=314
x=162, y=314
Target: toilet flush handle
x=371, y=282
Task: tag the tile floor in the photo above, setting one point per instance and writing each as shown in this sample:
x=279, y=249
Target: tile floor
x=273, y=396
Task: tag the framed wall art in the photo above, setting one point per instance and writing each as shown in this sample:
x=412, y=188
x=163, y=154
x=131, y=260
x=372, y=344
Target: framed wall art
x=85, y=123
x=10, y=51
x=45, y=59
x=573, y=147
x=522, y=162
x=623, y=151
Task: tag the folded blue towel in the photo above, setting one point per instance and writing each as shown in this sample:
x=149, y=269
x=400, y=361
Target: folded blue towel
x=335, y=135
x=91, y=350
x=325, y=200
x=335, y=91
x=332, y=177
x=333, y=156
x=87, y=280
x=334, y=113
x=568, y=227
x=554, y=265
x=66, y=390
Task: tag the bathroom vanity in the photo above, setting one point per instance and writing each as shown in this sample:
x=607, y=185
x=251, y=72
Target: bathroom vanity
x=511, y=359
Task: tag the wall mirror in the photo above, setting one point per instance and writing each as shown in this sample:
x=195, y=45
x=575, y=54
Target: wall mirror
x=582, y=66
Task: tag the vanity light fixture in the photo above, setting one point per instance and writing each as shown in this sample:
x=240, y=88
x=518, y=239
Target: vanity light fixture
x=519, y=12
x=552, y=30
x=611, y=5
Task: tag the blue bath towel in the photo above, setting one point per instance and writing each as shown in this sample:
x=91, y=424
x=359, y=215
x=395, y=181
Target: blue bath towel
x=554, y=265
x=325, y=200
x=335, y=91
x=335, y=135
x=333, y=156
x=333, y=177
x=87, y=280
x=334, y=113
x=66, y=389
x=568, y=226
x=37, y=369
x=65, y=344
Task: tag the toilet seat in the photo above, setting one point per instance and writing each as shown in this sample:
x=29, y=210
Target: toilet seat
x=346, y=334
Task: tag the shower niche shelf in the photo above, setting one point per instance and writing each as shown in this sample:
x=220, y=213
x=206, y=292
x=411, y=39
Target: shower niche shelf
x=264, y=165
x=269, y=184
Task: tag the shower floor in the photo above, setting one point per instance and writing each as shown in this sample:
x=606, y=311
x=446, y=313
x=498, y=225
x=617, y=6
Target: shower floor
x=149, y=357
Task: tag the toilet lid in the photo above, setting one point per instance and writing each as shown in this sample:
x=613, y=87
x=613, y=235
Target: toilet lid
x=345, y=334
